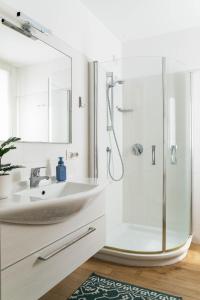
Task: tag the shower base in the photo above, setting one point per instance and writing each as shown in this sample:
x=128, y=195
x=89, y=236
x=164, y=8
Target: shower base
x=137, y=245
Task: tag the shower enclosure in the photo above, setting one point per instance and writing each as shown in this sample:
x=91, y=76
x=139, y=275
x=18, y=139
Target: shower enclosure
x=145, y=118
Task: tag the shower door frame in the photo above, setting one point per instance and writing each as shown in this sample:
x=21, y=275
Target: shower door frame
x=165, y=141
x=94, y=66
x=164, y=193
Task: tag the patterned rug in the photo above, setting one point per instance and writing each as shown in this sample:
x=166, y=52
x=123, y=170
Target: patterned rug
x=97, y=287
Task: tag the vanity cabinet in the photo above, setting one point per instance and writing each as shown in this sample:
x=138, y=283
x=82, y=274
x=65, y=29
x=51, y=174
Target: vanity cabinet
x=34, y=258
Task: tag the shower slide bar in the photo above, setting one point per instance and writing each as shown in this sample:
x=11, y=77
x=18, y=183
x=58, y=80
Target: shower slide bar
x=124, y=110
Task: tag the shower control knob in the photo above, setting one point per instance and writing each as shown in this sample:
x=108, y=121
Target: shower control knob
x=108, y=149
x=137, y=149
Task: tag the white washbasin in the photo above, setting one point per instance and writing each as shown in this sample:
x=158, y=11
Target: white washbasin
x=48, y=204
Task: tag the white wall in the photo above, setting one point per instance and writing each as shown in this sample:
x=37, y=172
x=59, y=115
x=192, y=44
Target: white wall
x=87, y=39
x=71, y=21
x=184, y=46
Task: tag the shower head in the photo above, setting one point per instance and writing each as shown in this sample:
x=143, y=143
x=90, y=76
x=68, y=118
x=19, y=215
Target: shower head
x=117, y=82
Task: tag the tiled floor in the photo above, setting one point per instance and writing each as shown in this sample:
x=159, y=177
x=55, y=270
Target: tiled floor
x=182, y=279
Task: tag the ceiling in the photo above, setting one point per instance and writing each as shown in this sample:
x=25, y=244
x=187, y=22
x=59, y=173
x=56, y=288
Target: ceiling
x=135, y=19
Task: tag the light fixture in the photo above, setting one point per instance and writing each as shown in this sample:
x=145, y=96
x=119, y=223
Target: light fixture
x=30, y=23
x=25, y=30
x=26, y=25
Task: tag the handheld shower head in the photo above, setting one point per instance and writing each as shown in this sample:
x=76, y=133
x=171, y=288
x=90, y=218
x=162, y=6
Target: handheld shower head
x=117, y=82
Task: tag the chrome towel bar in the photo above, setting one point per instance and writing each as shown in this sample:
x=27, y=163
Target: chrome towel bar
x=66, y=245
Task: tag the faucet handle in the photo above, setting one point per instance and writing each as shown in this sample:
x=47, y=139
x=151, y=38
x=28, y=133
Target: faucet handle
x=36, y=171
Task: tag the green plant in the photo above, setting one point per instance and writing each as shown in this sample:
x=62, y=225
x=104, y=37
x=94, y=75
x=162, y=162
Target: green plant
x=5, y=148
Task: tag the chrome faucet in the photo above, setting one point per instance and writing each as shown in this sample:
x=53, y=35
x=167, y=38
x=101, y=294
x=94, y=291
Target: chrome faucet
x=35, y=177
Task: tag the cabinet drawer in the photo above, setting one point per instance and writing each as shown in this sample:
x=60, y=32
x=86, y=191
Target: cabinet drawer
x=32, y=277
x=20, y=241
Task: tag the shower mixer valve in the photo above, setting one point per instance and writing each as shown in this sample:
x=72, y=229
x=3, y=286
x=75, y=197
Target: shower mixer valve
x=137, y=149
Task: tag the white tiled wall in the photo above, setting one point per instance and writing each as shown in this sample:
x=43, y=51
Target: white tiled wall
x=114, y=203
x=143, y=181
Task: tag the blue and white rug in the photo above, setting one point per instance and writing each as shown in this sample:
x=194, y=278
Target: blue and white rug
x=97, y=287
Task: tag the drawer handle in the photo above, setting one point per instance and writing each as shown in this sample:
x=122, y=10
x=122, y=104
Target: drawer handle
x=68, y=244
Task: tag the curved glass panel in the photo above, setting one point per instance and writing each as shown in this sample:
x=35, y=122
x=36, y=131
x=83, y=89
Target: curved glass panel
x=149, y=210
x=178, y=154
x=137, y=113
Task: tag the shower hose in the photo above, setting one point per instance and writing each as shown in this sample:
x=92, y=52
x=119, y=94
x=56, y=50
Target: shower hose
x=116, y=143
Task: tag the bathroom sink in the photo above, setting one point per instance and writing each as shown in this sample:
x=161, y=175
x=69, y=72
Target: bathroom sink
x=48, y=204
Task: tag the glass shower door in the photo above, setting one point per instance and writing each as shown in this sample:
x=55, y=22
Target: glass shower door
x=135, y=204
x=178, y=154
x=149, y=210
x=143, y=154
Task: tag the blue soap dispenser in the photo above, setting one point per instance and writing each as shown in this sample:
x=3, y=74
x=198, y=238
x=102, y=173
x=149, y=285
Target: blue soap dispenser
x=61, y=170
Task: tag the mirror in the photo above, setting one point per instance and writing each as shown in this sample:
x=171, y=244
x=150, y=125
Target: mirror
x=35, y=90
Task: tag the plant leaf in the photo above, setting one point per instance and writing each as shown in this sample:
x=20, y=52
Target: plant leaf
x=10, y=168
x=5, y=150
x=5, y=165
x=10, y=140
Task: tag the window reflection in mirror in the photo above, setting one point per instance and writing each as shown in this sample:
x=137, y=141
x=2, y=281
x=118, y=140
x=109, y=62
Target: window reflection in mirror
x=35, y=90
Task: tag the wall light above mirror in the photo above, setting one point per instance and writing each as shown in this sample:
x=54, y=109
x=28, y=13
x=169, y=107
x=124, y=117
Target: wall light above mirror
x=35, y=89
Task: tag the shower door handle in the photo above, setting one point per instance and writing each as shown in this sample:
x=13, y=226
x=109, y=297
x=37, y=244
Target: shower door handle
x=173, y=154
x=153, y=152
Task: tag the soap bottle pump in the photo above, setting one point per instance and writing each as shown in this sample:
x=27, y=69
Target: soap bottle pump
x=61, y=170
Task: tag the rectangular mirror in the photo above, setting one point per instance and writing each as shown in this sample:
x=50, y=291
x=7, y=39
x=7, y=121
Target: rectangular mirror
x=35, y=90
